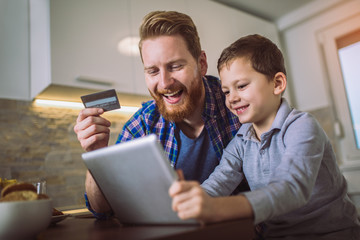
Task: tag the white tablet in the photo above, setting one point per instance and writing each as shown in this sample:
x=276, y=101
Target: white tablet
x=135, y=177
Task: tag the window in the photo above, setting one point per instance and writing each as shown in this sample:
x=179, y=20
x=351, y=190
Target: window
x=349, y=56
x=341, y=50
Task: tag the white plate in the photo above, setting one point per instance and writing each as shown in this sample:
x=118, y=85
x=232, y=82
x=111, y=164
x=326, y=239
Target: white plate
x=58, y=218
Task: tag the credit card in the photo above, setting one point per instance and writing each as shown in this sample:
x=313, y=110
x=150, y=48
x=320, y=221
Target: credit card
x=106, y=100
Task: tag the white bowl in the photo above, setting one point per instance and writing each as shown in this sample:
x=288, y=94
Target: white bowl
x=24, y=219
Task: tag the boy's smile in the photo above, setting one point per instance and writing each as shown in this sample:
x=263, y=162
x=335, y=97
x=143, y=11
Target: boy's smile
x=240, y=110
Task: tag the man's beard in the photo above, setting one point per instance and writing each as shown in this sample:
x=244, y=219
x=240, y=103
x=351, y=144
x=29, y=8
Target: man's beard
x=178, y=113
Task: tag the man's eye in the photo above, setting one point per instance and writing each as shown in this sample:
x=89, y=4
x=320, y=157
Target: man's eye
x=176, y=67
x=151, y=71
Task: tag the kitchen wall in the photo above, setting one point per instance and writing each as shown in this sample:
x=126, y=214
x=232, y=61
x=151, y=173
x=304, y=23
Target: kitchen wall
x=39, y=143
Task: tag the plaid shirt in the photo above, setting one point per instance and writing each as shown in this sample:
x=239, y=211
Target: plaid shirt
x=220, y=124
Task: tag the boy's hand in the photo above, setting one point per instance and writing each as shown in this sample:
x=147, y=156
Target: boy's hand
x=191, y=201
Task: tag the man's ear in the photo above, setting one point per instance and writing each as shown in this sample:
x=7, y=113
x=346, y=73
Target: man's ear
x=279, y=83
x=203, y=63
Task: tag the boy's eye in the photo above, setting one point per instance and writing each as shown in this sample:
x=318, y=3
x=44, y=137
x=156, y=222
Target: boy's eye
x=226, y=92
x=242, y=86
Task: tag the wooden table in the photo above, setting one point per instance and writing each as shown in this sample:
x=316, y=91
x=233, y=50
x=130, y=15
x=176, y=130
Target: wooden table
x=78, y=228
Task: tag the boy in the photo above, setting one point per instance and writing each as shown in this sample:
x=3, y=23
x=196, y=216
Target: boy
x=297, y=189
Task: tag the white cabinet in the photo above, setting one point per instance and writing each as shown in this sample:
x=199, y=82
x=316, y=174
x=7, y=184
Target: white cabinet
x=24, y=48
x=84, y=39
x=86, y=47
x=14, y=50
x=217, y=25
x=81, y=38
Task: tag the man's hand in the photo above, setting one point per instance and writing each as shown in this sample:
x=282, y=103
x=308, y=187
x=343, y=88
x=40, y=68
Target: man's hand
x=91, y=129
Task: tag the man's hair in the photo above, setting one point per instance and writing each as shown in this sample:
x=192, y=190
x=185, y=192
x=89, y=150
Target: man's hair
x=169, y=23
x=264, y=55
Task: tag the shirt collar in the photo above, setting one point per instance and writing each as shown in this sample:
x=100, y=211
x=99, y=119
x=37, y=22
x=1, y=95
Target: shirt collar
x=281, y=114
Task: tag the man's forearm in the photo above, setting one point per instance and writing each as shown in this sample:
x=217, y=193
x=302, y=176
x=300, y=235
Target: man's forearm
x=96, y=199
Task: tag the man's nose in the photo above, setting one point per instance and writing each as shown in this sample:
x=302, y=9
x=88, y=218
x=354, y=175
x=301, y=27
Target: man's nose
x=165, y=80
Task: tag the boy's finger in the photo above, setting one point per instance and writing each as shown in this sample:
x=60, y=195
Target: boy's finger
x=181, y=186
x=174, y=189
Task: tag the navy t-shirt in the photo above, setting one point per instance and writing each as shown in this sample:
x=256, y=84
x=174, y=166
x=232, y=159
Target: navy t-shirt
x=196, y=158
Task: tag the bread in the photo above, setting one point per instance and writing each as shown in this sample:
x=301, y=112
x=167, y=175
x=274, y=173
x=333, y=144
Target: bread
x=20, y=196
x=23, y=191
x=20, y=186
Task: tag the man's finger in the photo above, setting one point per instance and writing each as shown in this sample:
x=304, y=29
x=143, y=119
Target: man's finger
x=84, y=113
x=91, y=121
x=89, y=144
x=92, y=130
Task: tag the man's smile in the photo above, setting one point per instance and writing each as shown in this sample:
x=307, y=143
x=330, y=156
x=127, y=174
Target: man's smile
x=173, y=97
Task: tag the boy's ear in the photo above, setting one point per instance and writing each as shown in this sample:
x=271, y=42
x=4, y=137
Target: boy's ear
x=279, y=83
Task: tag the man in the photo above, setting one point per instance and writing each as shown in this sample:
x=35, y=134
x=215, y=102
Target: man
x=188, y=113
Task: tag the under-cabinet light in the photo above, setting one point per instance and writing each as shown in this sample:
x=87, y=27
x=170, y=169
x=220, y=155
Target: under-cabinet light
x=77, y=105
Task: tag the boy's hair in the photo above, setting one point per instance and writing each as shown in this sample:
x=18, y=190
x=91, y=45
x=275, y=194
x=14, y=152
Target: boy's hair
x=169, y=23
x=264, y=55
